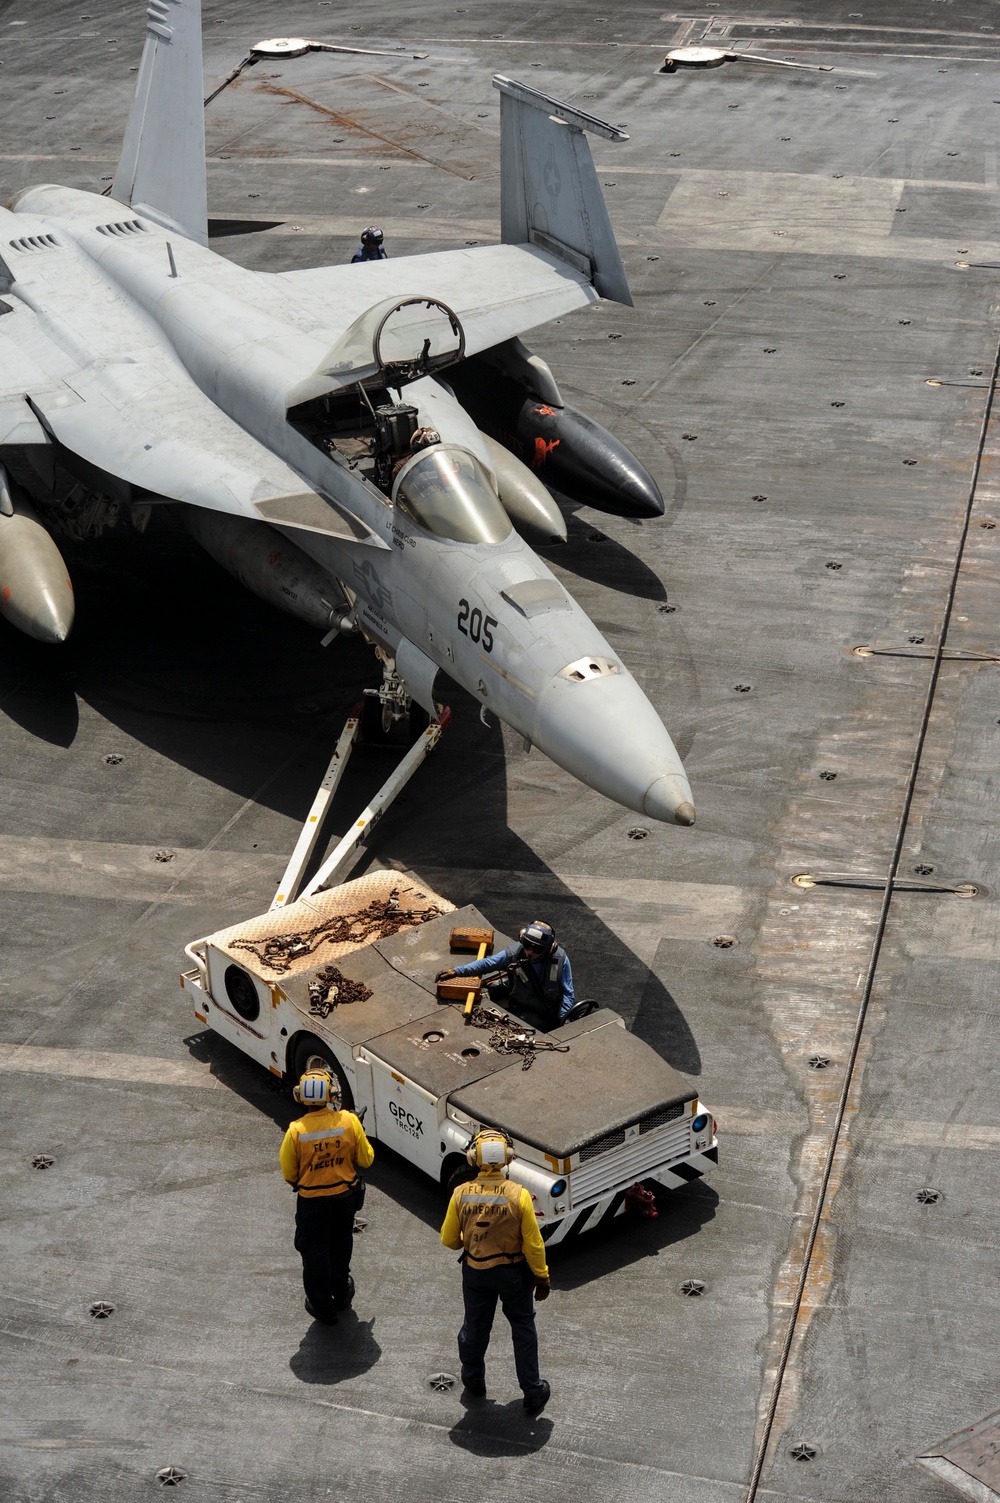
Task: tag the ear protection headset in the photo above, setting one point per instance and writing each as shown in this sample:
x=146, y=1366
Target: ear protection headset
x=540, y=934
x=490, y=1149
x=318, y=1088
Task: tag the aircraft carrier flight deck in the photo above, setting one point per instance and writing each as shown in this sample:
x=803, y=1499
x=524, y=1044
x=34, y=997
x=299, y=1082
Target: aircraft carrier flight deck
x=809, y=373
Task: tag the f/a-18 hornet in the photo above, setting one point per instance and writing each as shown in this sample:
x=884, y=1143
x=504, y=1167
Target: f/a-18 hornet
x=278, y=412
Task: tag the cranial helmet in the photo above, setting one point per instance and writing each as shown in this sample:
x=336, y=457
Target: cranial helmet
x=424, y=437
x=318, y=1088
x=490, y=1149
x=372, y=235
x=539, y=934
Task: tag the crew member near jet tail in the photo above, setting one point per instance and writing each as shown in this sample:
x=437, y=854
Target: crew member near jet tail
x=371, y=247
x=503, y=1258
x=537, y=983
x=320, y=1158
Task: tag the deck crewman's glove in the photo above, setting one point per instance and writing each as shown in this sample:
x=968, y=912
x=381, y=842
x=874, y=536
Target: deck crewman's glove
x=444, y=976
x=542, y=1289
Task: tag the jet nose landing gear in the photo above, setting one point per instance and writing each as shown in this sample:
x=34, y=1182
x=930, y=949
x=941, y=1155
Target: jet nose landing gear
x=389, y=717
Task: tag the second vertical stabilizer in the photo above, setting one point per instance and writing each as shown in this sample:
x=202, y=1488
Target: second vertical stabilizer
x=549, y=193
x=162, y=168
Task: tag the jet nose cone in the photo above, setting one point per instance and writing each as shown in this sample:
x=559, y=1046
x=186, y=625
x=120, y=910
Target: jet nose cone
x=600, y=726
x=669, y=799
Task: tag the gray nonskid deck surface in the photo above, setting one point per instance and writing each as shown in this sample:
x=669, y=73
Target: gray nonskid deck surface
x=791, y=240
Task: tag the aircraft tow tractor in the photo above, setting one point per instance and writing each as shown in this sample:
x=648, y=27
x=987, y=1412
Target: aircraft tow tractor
x=344, y=976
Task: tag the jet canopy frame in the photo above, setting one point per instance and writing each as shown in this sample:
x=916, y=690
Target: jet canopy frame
x=398, y=340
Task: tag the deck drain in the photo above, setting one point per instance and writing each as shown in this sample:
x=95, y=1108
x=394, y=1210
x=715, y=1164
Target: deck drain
x=833, y=565
x=827, y=775
x=100, y=1309
x=923, y=870
x=691, y=1288
x=803, y=1450
x=725, y=941
x=758, y=497
x=164, y=855
x=665, y=609
x=113, y=759
x=442, y=1382
x=42, y=1161
x=836, y=404
x=741, y=688
x=819, y=1062
x=915, y=640
x=360, y=1223
x=170, y=1476
x=689, y=437
x=596, y=537
x=928, y=1197
x=988, y=526
x=637, y=833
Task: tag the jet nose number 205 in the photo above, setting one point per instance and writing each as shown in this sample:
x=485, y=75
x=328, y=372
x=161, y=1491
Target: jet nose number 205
x=473, y=624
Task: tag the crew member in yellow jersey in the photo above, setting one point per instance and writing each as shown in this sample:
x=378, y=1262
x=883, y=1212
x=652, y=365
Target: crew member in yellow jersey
x=320, y=1158
x=493, y=1220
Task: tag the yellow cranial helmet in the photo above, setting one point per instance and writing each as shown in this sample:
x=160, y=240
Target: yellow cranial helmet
x=490, y=1149
x=317, y=1088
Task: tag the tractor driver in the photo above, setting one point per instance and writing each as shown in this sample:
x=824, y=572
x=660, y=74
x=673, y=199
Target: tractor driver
x=537, y=981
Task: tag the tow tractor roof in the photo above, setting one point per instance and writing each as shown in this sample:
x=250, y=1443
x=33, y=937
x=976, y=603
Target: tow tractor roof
x=607, y=1081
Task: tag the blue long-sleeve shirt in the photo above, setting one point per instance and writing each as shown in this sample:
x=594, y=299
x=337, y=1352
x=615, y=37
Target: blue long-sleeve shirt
x=503, y=957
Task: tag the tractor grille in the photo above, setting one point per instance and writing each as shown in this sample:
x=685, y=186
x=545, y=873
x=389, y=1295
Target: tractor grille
x=601, y=1145
x=649, y=1123
x=653, y=1120
x=614, y=1170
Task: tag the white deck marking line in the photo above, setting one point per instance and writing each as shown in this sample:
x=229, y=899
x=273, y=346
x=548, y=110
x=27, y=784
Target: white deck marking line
x=740, y=1121
x=104, y=1064
x=131, y=873
x=407, y=1421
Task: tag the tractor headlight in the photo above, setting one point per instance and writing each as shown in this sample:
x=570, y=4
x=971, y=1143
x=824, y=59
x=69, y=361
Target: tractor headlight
x=699, y=1123
x=558, y=1189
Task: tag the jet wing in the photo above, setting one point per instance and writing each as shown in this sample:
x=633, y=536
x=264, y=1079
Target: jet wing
x=498, y=291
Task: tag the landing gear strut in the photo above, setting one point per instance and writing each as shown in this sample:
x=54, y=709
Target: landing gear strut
x=388, y=715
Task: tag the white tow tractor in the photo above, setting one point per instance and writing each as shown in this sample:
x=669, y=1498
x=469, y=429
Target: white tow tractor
x=347, y=976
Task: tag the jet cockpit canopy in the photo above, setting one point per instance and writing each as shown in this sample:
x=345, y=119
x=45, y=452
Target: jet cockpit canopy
x=446, y=491
x=399, y=340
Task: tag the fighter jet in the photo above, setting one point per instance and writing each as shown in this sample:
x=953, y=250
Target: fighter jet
x=280, y=414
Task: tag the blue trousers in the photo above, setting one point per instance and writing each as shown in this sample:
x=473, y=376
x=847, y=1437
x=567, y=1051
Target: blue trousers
x=513, y=1284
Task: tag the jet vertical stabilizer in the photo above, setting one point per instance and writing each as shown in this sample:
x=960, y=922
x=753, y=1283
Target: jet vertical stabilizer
x=162, y=168
x=549, y=193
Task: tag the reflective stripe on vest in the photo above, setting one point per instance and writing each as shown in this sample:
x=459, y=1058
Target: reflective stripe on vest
x=489, y=1214
x=326, y=1158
